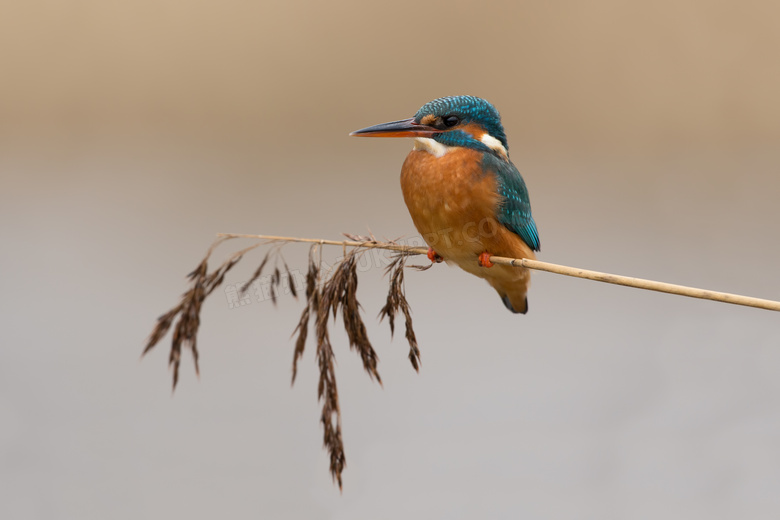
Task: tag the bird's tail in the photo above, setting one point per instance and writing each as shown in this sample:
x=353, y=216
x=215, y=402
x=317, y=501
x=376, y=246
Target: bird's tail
x=516, y=302
x=511, y=284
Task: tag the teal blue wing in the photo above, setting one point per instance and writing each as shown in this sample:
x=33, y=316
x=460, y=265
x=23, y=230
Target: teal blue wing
x=515, y=209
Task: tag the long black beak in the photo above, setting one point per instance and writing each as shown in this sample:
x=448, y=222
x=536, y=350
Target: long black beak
x=403, y=128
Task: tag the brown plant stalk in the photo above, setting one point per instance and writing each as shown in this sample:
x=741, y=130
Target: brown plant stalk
x=328, y=295
x=628, y=281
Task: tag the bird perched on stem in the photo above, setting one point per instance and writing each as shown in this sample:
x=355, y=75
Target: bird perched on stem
x=466, y=198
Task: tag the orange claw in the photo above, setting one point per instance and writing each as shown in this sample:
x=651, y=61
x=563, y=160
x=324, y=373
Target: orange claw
x=484, y=260
x=433, y=256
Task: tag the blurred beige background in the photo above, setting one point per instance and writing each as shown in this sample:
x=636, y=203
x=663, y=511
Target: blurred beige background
x=132, y=132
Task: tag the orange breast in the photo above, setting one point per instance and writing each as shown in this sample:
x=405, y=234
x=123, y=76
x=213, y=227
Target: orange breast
x=453, y=204
x=452, y=201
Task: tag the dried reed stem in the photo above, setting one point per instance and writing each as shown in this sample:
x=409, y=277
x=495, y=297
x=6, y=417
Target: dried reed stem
x=328, y=294
x=331, y=292
x=638, y=283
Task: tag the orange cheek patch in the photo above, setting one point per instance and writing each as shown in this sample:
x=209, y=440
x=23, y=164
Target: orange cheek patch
x=474, y=130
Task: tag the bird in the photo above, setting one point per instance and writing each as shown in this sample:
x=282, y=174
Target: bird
x=466, y=198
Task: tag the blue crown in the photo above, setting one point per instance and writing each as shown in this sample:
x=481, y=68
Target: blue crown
x=469, y=109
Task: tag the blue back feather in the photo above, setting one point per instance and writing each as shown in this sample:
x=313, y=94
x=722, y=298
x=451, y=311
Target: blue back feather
x=515, y=209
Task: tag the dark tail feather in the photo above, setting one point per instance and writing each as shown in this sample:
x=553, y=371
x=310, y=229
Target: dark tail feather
x=508, y=304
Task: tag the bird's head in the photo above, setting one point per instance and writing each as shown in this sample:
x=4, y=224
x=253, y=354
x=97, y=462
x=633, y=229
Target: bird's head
x=464, y=121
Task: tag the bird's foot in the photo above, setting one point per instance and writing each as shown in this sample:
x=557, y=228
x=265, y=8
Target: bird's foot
x=433, y=256
x=484, y=260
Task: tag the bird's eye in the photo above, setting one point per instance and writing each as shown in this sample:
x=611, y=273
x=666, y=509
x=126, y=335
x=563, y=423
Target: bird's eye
x=450, y=121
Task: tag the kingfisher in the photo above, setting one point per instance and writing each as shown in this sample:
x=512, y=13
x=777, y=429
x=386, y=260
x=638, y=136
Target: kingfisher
x=465, y=197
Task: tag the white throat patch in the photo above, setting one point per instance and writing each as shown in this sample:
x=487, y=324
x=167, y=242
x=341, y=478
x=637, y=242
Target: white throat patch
x=431, y=146
x=494, y=144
